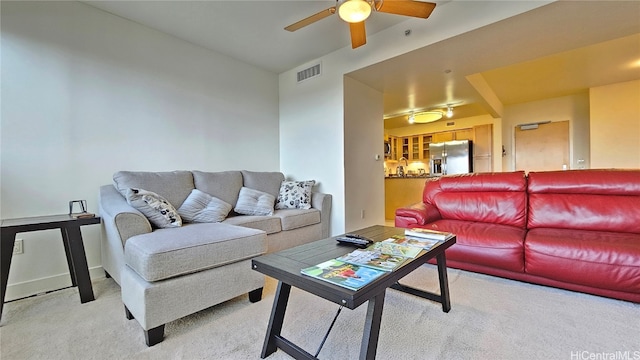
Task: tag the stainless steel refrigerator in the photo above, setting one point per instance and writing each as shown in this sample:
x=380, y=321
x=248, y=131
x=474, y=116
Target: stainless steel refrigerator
x=451, y=157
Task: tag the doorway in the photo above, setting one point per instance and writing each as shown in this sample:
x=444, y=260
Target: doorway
x=542, y=147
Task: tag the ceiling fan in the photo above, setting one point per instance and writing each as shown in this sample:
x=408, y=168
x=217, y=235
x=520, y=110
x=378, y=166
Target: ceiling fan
x=355, y=12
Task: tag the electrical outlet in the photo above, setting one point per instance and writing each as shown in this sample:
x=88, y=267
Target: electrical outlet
x=362, y=214
x=17, y=247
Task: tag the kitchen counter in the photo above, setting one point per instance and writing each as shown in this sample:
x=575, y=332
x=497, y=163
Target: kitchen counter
x=401, y=192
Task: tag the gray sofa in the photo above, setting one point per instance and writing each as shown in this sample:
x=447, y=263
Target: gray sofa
x=170, y=272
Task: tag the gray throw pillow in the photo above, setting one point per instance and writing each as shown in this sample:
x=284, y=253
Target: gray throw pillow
x=254, y=202
x=202, y=207
x=156, y=208
x=295, y=195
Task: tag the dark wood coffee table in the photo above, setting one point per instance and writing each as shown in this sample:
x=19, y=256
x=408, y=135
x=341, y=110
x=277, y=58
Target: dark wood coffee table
x=285, y=266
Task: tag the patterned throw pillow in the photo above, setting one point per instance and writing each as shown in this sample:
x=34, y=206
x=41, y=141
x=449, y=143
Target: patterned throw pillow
x=254, y=202
x=295, y=195
x=202, y=207
x=156, y=208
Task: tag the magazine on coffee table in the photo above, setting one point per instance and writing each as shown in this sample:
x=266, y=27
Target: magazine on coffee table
x=390, y=248
x=428, y=233
x=423, y=243
x=374, y=258
x=343, y=274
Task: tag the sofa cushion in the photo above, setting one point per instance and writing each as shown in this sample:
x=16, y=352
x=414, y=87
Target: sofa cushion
x=493, y=245
x=268, y=224
x=166, y=253
x=156, y=208
x=202, y=207
x=225, y=185
x=295, y=195
x=604, y=260
x=174, y=186
x=268, y=182
x=598, y=200
x=254, y=202
x=297, y=218
x=499, y=198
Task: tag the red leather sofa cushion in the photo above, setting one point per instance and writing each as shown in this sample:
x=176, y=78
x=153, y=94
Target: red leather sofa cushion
x=498, y=198
x=487, y=244
x=596, y=200
x=605, y=260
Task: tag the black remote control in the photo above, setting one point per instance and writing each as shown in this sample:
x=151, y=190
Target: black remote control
x=358, y=236
x=362, y=243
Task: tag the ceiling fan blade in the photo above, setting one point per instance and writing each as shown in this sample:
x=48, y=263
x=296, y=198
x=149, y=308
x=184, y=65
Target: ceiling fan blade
x=406, y=7
x=358, y=34
x=311, y=19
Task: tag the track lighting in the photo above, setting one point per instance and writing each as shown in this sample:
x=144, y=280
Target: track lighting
x=449, y=111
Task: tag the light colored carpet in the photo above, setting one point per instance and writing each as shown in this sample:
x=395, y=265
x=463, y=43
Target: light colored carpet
x=491, y=318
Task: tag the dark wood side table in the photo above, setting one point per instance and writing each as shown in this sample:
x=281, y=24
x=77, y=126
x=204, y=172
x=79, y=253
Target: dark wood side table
x=73, y=247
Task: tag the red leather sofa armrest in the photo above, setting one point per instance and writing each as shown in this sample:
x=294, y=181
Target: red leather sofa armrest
x=417, y=214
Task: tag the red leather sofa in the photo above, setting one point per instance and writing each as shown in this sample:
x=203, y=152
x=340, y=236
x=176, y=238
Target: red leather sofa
x=577, y=229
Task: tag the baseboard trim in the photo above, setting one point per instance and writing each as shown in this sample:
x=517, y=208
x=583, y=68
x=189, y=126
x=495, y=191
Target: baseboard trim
x=17, y=291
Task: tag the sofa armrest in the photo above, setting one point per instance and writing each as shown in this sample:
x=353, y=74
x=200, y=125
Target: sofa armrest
x=120, y=217
x=322, y=202
x=416, y=214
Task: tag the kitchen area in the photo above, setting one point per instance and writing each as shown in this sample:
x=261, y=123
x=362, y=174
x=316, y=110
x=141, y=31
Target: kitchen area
x=411, y=159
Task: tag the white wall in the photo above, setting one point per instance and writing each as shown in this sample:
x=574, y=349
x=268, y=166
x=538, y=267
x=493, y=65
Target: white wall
x=313, y=112
x=85, y=94
x=574, y=108
x=363, y=155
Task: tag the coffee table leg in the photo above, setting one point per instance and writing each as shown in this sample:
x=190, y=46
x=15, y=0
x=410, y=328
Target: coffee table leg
x=276, y=319
x=372, y=327
x=444, y=282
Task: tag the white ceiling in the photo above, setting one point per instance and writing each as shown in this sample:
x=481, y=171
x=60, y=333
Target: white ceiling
x=559, y=49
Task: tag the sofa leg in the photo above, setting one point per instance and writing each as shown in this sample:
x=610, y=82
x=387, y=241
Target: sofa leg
x=128, y=313
x=154, y=336
x=255, y=295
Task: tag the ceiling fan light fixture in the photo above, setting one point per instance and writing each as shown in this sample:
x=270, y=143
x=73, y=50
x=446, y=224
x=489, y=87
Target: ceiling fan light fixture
x=354, y=11
x=427, y=117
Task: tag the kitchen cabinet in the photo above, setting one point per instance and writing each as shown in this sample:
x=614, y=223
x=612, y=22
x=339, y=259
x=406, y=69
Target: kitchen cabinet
x=442, y=136
x=411, y=147
x=463, y=134
x=393, y=144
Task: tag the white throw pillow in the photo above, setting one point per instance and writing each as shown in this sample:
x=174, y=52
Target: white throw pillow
x=295, y=195
x=202, y=207
x=156, y=208
x=254, y=202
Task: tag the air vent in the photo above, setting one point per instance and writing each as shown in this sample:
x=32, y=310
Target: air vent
x=451, y=123
x=309, y=73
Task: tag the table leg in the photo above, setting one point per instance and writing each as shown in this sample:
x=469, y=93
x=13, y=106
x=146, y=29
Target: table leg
x=276, y=320
x=444, y=282
x=78, y=263
x=371, y=333
x=67, y=251
x=7, y=240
